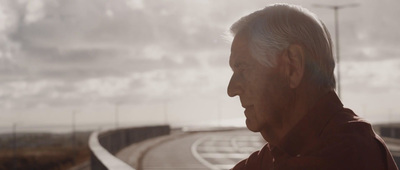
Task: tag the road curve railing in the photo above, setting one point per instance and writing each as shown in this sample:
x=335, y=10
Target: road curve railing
x=104, y=144
x=389, y=130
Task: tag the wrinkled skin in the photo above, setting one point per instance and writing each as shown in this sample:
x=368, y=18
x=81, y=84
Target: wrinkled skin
x=264, y=91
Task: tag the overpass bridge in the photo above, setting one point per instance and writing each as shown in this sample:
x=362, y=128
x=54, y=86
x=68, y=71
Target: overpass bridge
x=160, y=147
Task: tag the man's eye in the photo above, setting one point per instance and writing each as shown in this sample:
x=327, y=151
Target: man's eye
x=236, y=66
x=239, y=66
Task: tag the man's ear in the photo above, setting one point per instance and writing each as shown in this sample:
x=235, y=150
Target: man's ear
x=296, y=62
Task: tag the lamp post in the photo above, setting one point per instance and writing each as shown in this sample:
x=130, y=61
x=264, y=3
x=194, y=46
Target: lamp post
x=219, y=112
x=73, y=128
x=165, y=108
x=336, y=17
x=14, y=145
x=116, y=115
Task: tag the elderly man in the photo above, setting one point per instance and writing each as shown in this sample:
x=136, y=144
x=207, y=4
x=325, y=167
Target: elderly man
x=282, y=64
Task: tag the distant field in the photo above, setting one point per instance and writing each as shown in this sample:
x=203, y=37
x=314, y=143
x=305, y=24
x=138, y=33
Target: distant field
x=43, y=151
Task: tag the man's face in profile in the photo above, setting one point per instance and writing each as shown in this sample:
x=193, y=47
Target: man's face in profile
x=262, y=90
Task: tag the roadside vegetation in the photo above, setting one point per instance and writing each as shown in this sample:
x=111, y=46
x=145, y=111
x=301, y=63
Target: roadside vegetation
x=42, y=151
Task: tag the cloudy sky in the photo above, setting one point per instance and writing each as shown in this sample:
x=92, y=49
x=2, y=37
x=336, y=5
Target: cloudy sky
x=157, y=61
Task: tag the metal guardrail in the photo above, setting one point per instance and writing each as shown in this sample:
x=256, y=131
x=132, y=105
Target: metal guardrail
x=391, y=135
x=101, y=158
x=388, y=130
x=106, y=143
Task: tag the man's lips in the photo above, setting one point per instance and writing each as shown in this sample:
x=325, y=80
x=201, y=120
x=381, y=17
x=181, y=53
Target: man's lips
x=248, y=109
x=247, y=106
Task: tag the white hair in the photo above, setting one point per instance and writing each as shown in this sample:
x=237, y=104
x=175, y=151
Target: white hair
x=274, y=28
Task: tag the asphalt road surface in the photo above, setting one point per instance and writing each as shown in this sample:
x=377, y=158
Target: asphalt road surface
x=211, y=150
x=206, y=150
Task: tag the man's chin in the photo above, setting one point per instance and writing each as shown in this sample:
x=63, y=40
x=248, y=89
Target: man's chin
x=252, y=127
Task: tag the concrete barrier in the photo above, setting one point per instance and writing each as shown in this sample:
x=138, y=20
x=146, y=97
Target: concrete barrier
x=390, y=133
x=104, y=145
x=388, y=130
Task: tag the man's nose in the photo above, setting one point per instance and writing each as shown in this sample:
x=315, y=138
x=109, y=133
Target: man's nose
x=234, y=86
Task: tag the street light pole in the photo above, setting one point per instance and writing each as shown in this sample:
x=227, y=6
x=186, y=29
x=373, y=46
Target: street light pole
x=15, y=145
x=165, y=104
x=73, y=128
x=336, y=12
x=116, y=116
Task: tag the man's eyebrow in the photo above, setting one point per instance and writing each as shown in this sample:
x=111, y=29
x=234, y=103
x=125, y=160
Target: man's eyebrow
x=232, y=64
x=238, y=64
x=232, y=59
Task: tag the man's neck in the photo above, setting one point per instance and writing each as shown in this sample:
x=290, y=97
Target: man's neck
x=303, y=102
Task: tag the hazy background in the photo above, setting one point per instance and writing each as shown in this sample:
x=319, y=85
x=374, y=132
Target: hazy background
x=166, y=61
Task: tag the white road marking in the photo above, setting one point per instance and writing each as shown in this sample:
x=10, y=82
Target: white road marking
x=223, y=152
x=222, y=149
x=224, y=155
x=199, y=158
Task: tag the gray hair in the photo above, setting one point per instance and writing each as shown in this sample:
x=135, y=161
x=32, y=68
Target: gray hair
x=274, y=28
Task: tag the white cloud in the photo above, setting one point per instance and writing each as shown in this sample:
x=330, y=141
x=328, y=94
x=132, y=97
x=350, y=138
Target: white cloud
x=373, y=76
x=3, y=19
x=110, y=13
x=34, y=11
x=135, y=4
x=76, y=53
x=104, y=87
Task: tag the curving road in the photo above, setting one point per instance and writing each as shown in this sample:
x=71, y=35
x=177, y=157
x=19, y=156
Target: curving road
x=206, y=150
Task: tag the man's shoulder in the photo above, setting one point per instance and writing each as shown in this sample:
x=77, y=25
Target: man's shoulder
x=347, y=130
x=346, y=123
x=255, y=160
x=349, y=139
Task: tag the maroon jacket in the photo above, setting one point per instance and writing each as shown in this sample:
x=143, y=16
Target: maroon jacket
x=328, y=137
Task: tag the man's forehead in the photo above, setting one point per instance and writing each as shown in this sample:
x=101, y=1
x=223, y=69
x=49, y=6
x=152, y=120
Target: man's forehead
x=239, y=46
x=240, y=42
x=239, y=50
